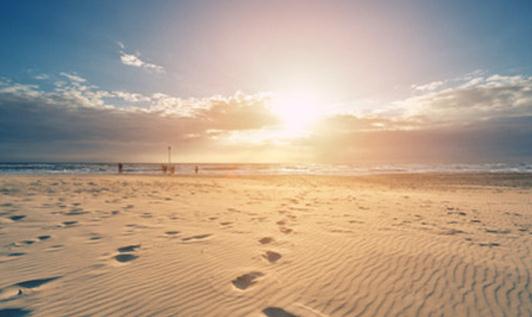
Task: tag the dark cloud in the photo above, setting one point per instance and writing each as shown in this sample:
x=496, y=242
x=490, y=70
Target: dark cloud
x=75, y=119
x=502, y=139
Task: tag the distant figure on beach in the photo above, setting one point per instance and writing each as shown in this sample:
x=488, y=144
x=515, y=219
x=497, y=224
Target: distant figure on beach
x=171, y=169
x=120, y=168
x=196, y=169
x=164, y=168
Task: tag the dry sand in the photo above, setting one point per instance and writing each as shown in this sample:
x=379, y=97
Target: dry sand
x=404, y=245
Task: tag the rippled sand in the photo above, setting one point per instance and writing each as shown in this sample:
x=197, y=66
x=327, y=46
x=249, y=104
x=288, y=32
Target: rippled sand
x=404, y=245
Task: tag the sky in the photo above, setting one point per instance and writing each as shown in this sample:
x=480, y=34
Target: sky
x=266, y=81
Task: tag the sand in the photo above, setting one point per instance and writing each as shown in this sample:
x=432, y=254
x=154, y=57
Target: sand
x=404, y=245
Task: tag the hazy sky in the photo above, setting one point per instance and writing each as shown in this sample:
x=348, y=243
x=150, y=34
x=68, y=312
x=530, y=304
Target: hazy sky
x=263, y=81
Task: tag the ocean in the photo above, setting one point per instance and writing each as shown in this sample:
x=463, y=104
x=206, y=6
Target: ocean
x=259, y=169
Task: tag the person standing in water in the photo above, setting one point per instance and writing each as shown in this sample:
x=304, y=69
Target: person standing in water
x=120, y=168
x=196, y=169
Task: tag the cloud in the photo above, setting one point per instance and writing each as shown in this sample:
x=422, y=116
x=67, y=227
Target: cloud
x=472, y=99
x=473, y=118
x=430, y=86
x=459, y=102
x=495, y=140
x=73, y=77
x=41, y=77
x=77, y=120
x=133, y=59
x=130, y=96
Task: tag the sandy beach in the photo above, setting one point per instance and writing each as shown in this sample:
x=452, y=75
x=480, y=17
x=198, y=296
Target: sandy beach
x=396, y=245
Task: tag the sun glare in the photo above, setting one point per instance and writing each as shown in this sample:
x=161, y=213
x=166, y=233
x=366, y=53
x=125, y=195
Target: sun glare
x=296, y=111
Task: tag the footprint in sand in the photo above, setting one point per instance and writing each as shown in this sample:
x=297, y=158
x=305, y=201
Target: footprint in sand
x=272, y=256
x=125, y=255
x=17, y=289
x=15, y=312
x=277, y=312
x=75, y=212
x=246, y=280
x=266, y=240
x=489, y=244
x=44, y=237
x=17, y=217
x=31, y=284
x=458, y=213
x=55, y=247
x=69, y=223
x=451, y=232
x=128, y=248
x=498, y=231
x=95, y=238
x=172, y=232
x=196, y=237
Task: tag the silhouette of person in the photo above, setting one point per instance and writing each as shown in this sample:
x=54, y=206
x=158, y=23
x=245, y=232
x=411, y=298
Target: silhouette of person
x=196, y=169
x=120, y=168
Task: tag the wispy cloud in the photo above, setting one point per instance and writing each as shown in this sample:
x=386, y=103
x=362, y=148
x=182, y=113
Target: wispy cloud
x=134, y=60
x=73, y=77
x=41, y=77
x=429, y=87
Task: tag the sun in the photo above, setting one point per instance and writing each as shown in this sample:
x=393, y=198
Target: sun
x=297, y=112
